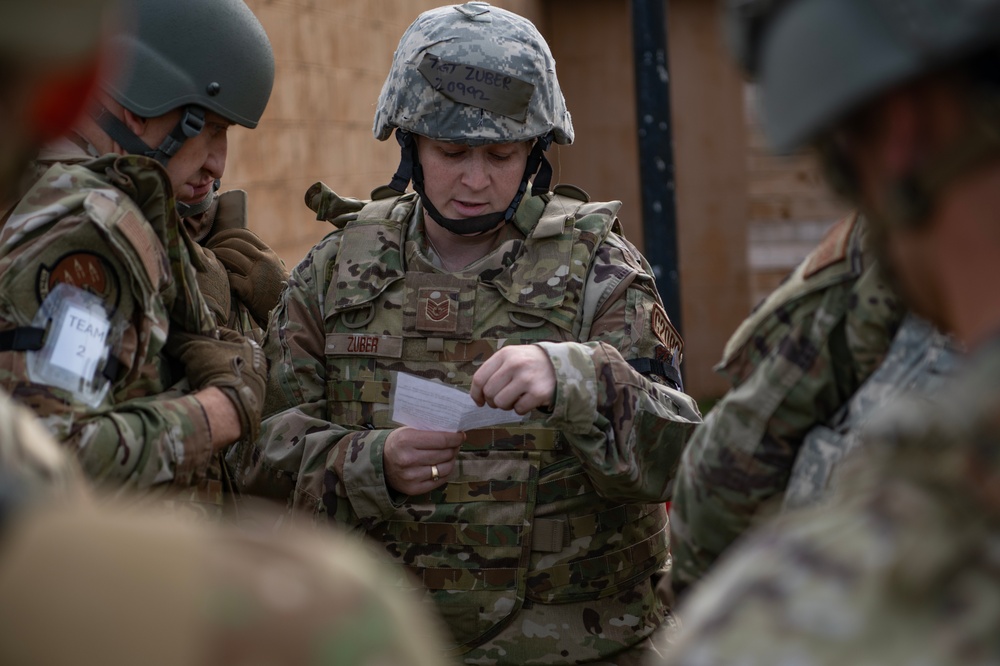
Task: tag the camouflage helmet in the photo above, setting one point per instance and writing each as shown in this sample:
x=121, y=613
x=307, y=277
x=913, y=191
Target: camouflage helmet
x=473, y=74
x=212, y=54
x=816, y=61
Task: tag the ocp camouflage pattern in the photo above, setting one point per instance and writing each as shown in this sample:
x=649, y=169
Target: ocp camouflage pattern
x=112, y=224
x=919, y=360
x=898, y=567
x=793, y=364
x=549, y=531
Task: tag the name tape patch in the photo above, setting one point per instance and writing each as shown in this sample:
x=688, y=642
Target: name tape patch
x=360, y=344
x=480, y=87
x=664, y=330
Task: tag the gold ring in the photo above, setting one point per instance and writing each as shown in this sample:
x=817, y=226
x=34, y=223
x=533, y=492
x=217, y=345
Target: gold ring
x=434, y=473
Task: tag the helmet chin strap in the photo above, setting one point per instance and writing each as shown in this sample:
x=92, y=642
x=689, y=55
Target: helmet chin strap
x=197, y=208
x=410, y=170
x=190, y=125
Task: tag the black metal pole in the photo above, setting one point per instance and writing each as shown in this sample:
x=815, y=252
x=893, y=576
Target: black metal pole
x=656, y=150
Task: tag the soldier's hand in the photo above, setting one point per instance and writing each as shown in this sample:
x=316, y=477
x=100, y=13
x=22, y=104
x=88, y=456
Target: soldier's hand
x=520, y=377
x=233, y=363
x=213, y=283
x=256, y=273
x=412, y=458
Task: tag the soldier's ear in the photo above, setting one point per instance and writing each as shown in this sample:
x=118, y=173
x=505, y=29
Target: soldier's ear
x=137, y=124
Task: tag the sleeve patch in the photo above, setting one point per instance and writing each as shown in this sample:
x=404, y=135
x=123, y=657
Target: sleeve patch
x=664, y=330
x=84, y=270
x=833, y=248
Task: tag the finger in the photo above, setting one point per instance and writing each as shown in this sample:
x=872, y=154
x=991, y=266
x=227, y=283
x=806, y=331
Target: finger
x=483, y=376
x=509, y=396
x=498, y=383
x=424, y=458
x=528, y=403
x=423, y=487
x=435, y=441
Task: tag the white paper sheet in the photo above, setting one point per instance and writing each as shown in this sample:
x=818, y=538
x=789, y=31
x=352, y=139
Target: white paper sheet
x=79, y=342
x=427, y=405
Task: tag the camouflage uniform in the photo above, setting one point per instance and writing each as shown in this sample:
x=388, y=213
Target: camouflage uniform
x=542, y=546
x=228, y=211
x=793, y=364
x=31, y=463
x=900, y=567
x=108, y=227
x=157, y=592
x=918, y=361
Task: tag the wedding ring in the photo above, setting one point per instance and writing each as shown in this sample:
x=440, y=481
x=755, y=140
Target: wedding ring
x=434, y=473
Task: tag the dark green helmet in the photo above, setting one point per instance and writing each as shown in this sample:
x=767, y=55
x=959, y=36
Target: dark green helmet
x=816, y=61
x=208, y=53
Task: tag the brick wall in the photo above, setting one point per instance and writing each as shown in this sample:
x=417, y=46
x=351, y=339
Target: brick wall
x=790, y=208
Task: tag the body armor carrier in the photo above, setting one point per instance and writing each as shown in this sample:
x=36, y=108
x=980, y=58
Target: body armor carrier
x=520, y=520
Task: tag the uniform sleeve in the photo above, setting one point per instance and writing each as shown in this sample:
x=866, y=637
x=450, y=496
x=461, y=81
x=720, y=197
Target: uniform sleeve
x=799, y=369
x=302, y=457
x=628, y=430
x=131, y=438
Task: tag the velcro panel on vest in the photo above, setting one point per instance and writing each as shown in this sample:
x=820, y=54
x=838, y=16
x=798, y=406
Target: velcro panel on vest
x=539, y=281
x=441, y=306
x=494, y=490
x=359, y=391
x=368, y=261
x=513, y=438
x=552, y=273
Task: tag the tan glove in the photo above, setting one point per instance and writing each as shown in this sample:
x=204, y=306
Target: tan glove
x=234, y=363
x=213, y=283
x=256, y=273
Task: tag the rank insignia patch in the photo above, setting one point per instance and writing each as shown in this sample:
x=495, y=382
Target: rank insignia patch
x=437, y=310
x=84, y=270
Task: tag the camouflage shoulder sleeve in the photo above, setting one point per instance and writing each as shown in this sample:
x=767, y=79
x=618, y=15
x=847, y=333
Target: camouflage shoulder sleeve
x=827, y=330
x=890, y=569
x=298, y=444
x=627, y=429
x=838, y=258
x=139, y=434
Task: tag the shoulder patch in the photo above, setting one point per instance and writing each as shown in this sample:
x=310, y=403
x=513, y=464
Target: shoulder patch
x=832, y=249
x=664, y=330
x=146, y=245
x=85, y=270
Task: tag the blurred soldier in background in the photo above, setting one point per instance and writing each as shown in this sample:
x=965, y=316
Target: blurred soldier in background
x=49, y=66
x=87, y=583
x=900, y=567
x=537, y=541
x=826, y=351
x=107, y=334
x=103, y=586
